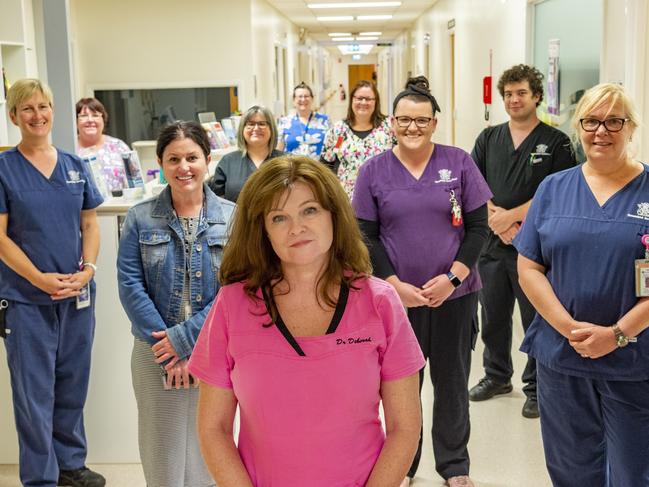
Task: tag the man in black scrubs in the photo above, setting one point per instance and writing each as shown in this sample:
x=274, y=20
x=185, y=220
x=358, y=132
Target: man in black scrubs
x=514, y=158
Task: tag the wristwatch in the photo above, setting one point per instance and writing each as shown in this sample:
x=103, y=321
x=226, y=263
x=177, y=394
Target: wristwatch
x=620, y=338
x=454, y=280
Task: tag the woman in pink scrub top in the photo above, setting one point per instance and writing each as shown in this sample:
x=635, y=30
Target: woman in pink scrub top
x=306, y=343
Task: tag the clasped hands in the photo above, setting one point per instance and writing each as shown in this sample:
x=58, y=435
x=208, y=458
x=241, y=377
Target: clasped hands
x=177, y=371
x=503, y=223
x=590, y=340
x=63, y=286
x=431, y=294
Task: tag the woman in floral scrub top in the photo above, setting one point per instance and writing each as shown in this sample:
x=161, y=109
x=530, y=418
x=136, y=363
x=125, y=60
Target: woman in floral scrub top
x=365, y=132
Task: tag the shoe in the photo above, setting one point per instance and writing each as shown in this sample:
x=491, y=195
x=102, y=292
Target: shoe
x=459, y=481
x=531, y=408
x=488, y=388
x=81, y=477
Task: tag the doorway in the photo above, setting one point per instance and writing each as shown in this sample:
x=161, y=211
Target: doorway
x=359, y=72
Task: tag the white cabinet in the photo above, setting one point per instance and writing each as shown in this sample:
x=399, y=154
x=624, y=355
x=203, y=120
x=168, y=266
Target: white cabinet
x=17, y=56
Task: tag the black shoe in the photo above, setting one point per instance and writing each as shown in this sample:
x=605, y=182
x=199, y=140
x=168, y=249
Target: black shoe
x=488, y=388
x=81, y=477
x=531, y=408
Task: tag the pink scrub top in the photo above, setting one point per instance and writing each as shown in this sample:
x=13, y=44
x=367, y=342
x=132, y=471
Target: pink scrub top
x=310, y=420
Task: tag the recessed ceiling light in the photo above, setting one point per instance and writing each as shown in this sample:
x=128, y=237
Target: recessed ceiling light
x=336, y=34
x=355, y=48
x=374, y=17
x=368, y=38
x=335, y=19
x=369, y=34
x=346, y=39
x=353, y=5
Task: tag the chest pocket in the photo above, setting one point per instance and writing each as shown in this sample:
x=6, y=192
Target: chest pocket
x=154, y=246
x=538, y=167
x=215, y=247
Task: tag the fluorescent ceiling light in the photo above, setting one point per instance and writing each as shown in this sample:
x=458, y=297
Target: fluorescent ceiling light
x=369, y=34
x=353, y=5
x=355, y=48
x=374, y=17
x=336, y=34
x=335, y=19
x=346, y=39
x=369, y=38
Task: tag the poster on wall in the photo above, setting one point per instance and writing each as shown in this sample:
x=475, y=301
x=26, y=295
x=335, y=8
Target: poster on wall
x=553, y=76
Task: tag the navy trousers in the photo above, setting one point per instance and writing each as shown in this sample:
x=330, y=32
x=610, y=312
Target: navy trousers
x=48, y=352
x=595, y=432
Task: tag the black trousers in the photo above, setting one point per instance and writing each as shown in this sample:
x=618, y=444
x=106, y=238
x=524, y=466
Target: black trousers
x=497, y=267
x=446, y=336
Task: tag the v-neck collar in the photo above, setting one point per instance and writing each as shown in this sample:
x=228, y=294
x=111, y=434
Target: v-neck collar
x=524, y=141
x=333, y=325
x=615, y=195
x=407, y=171
x=34, y=168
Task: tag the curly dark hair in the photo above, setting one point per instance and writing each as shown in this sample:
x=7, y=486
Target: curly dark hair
x=523, y=72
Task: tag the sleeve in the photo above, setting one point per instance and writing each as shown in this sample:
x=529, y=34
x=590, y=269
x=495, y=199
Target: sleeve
x=563, y=156
x=363, y=202
x=217, y=181
x=183, y=335
x=132, y=288
x=528, y=239
x=401, y=355
x=282, y=129
x=478, y=154
x=4, y=201
x=211, y=360
x=91, y=196
x=380, y=260
x=329, y=151
x=475, y=190
x=476, y=231
x=123, y=146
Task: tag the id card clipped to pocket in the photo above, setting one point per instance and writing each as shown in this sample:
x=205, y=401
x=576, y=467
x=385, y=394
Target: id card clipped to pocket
x=642, y=271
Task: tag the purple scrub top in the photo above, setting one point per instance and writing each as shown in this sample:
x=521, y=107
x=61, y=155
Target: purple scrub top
x=414, y=215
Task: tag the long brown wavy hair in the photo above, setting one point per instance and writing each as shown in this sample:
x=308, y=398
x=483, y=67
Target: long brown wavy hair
x=249, y=256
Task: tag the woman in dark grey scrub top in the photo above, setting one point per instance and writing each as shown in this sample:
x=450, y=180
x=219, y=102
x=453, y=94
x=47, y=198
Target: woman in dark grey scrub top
x=256, y=139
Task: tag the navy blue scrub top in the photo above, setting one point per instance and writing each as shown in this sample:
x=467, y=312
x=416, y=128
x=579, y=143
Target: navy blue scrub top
x=588, y=252
x=44, y=218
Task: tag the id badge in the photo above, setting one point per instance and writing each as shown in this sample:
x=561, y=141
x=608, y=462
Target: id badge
x=83, y=299
x=642, y=277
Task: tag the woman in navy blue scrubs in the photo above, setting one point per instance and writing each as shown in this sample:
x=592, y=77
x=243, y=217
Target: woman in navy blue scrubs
x=49, y=241
x=579, y=250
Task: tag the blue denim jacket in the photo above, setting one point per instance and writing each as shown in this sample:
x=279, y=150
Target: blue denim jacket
x=151, y=268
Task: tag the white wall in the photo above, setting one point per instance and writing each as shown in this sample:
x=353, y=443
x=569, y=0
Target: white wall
x=480, y=25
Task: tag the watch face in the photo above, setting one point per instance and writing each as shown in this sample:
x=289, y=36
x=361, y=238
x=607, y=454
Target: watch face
x=622, y=341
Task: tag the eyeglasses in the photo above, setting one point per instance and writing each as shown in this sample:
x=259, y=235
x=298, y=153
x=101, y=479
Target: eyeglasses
x=303, y=97
x=88, y=116
x=363, y=99
x=252, y=125
x=610, y=124
x=420, y=122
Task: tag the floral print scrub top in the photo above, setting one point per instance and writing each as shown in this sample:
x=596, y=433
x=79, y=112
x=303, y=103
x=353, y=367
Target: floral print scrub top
x=352, y=151
x=303, y=139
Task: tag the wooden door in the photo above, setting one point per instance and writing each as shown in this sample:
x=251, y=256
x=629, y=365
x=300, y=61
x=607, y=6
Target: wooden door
x=359, y=72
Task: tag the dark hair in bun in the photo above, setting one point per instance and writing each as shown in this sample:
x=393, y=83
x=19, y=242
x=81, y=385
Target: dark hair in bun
x=417, y=89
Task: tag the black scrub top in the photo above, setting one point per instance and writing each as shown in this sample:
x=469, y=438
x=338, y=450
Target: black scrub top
x=232, y=173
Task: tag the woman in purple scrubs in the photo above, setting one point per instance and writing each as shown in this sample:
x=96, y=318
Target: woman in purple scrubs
x=422, y=206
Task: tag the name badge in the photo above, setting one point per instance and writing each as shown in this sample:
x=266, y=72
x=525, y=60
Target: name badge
x=642, y=271
x=83, y=299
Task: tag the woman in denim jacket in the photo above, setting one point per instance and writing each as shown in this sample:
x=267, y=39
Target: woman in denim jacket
x=169, y=257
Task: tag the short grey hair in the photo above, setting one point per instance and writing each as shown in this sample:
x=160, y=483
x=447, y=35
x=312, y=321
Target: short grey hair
x=268, y=115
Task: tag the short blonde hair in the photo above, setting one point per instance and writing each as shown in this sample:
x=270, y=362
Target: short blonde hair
x=600, y=94
x=23, y=89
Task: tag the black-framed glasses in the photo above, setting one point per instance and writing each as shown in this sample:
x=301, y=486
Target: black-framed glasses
x=364, y=99
x=252, y=125
x=420, y=122
x=610, y=124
